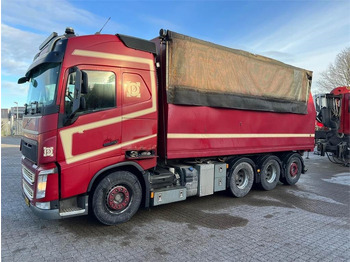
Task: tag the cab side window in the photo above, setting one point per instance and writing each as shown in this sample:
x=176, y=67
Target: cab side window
x=101, y=92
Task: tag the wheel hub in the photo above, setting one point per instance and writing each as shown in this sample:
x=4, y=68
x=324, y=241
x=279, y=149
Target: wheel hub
x=293, y=169
x=271, y=174
x=118, y=198
x=241, y=179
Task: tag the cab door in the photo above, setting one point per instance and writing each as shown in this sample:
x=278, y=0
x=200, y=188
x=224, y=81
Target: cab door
x=97, y=128
x=94, y=133
x=140, y=117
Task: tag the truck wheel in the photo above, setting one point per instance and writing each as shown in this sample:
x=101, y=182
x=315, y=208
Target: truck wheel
x=116, y=198
x=292, y=170
x=241, y=177
x=270, y=173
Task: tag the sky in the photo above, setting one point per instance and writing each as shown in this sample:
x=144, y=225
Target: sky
x=304, y=33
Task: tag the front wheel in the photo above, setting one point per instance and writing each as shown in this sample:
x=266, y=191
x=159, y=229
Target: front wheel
x=241, y=177
x=116, y=198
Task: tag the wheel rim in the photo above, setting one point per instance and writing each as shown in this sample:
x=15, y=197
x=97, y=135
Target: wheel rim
x=118, y=198
x=293, y=170
x=241, y=179
x=271, y=173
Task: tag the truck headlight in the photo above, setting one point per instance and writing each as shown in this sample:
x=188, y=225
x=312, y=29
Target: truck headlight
x=41, y=185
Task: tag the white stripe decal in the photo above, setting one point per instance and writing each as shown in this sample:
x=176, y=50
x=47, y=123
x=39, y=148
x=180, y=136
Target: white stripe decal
x=67, y=134
x=103, y=55
x=208, y=136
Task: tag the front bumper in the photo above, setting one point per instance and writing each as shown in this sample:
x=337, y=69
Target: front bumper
x=42, y=213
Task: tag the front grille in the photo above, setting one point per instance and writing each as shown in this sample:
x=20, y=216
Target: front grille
x=28, y=175
x=27, y=190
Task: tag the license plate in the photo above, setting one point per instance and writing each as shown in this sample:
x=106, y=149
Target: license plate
x=27, y=201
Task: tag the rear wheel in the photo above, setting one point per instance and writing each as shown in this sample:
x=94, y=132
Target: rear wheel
x=241, y=177
x=270, y=173
x=292, y=169
x=116, y=198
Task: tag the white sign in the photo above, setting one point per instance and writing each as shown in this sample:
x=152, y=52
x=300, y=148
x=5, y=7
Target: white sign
x=48, y=151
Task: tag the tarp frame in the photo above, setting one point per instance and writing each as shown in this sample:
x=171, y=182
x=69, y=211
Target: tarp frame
x=206, y=74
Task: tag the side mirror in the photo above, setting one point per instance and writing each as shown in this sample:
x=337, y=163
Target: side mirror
x=82, y=103
x=77, y=90
x=22, y=80
x=317, y=104
x=80, y=87
x=85, y=83
x=79, y=79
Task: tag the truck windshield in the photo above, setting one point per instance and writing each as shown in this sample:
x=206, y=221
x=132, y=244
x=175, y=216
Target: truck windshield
x=42, y=87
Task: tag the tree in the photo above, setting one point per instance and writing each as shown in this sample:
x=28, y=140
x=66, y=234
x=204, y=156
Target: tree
x=338, y=74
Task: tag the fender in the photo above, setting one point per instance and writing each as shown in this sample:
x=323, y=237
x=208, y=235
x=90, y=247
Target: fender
x=144, y=174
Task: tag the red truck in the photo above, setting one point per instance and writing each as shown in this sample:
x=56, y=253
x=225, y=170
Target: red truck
x=333, y=114
x=114, y=122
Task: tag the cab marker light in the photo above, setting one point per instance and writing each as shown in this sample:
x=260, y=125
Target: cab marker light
x=43, y=205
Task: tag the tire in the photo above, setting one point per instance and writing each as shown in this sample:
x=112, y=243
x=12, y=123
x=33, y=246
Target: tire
x=292, y=169
x=270, y=173
x=116, y=198
x=241, y=177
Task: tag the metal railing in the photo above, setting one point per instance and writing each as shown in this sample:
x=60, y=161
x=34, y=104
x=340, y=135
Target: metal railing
x=11, y=128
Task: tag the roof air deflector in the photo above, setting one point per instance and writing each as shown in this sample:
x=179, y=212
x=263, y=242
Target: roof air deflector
x=138, y=43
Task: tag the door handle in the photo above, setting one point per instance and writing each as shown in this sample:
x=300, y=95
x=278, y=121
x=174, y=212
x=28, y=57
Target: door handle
x=110, y=143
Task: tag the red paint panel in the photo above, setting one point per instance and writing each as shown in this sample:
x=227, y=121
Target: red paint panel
x=43, y=129
x=96, y=138
x=106, y=44
x=47, y=147
x=40, y=124
x=345, y=115
x=134, y=129
x=31, y=123
x=206, y=120
x=135, y=90
x=135, y=104
x=74, y=179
